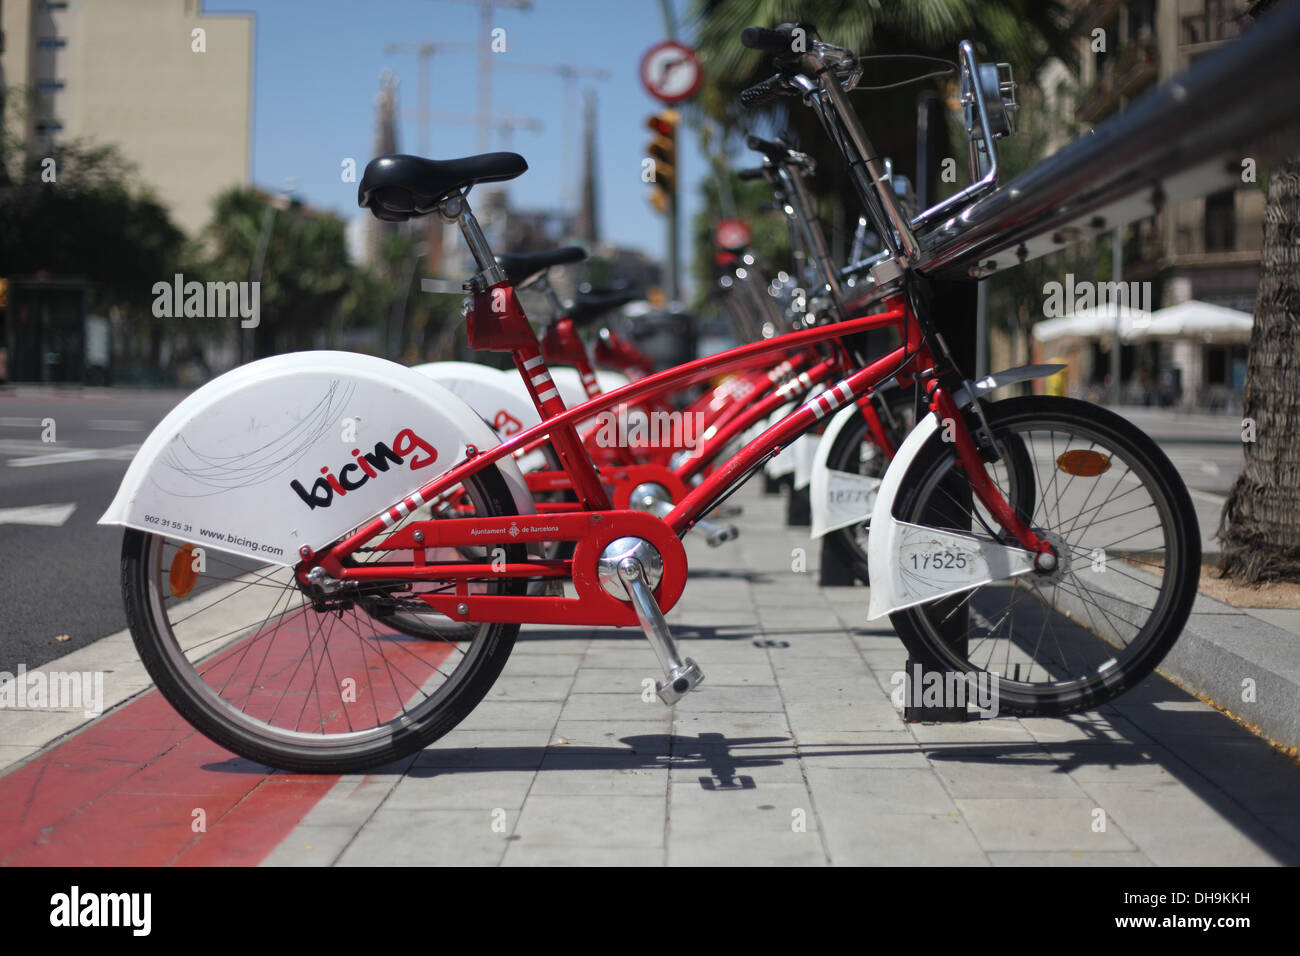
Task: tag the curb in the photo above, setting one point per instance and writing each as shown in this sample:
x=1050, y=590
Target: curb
x=1220, y=648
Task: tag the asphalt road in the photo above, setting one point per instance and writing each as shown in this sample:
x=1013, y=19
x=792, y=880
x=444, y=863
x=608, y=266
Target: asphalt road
x=63, y=578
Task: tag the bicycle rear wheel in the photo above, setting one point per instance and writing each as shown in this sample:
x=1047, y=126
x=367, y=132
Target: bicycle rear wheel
x=1129, y=552
x=249, y=658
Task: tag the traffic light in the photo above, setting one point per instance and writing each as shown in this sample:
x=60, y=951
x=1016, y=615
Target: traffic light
x=663, y=151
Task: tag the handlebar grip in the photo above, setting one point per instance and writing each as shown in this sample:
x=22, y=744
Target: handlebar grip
x=745, y=175
x=761, y=93
x=768, y=40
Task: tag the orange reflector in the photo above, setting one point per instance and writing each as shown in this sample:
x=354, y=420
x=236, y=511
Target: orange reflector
x=1083, y=462
x=183, y=575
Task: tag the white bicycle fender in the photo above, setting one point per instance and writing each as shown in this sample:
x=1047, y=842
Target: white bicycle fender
x=498, y=396
x=805, y=450
x=838, y=498
x=296, y=450
x=901, y=577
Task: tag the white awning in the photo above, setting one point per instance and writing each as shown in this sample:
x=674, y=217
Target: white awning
x=1094, y=323
x=1198, y=320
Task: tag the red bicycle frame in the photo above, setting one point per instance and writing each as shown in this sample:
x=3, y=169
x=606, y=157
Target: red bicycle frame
x=599, y=524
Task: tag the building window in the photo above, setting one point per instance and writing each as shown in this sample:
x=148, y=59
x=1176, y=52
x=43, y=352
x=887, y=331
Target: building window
x=1141, y=14
x=1220, y=222
x=45, y=127
x=50, y=85
x=1216, y=366
x=54, y=4
x=51, y=43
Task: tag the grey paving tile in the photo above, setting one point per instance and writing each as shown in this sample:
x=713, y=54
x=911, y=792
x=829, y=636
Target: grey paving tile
x=312, y=845
x=1040, y=824
x=513, y=715
x=1104, y=858
x=524, y=854
x=1180, y=844
x=430, y=838
x=767, y=807
x=739, y=848
x=854, y=791
x=603, y=820
x=458, y=788
x=907, y=839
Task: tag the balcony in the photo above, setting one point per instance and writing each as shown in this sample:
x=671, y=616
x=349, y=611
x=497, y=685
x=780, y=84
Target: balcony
x=1138, y=65
x=1133, y=68
x=1097, y=100
x=1214, y=25
x=1095, y=13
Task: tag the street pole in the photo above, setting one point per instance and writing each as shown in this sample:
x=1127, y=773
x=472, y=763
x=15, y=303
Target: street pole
x=1117, y=276
x=673, y=285
x=255, y=272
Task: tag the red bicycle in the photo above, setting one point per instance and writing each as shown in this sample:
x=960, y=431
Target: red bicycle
x=1042, y=542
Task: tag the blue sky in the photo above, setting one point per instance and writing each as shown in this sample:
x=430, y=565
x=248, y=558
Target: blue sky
x=316, y=76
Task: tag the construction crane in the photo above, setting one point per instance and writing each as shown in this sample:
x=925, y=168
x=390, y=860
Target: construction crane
x=570, y=73
x=485, y=58
x=506, y=124
x=425, y=52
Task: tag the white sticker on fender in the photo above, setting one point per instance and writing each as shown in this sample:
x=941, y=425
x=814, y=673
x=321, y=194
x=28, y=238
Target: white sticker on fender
x=932, y=563
x=841, y=498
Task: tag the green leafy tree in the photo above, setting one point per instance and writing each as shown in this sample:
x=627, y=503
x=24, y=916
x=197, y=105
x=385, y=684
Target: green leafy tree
x=1023, y=32
x=76, y=211
x=305, y=268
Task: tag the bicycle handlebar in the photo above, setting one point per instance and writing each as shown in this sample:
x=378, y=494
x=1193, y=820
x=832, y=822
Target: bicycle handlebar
x=762, y=93
x=768, y=40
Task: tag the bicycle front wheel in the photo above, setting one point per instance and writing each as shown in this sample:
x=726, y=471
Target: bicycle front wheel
x=1129, y=556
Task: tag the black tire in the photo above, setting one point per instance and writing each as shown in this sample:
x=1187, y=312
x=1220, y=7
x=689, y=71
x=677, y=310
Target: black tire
x=179, y=672
x=1100, y=663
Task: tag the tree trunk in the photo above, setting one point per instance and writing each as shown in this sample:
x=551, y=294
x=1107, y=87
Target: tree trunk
x=1260, y=524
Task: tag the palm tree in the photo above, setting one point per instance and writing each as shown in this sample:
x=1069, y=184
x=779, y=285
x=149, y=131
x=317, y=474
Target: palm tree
x=1023, y=32
x=1260, y=525
x=305, y=265
x=1260, y=522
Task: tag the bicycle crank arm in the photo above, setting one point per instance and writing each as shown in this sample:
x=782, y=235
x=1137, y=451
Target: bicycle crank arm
x=632, y=567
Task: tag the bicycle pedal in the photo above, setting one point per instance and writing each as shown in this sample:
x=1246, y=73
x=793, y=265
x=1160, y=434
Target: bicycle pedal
x=681, y=681
x=717, y=534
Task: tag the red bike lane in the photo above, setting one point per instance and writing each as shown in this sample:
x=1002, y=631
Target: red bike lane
x=141, y=787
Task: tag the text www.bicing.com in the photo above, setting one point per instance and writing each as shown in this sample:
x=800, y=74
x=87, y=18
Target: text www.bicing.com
x=240, y=542
x=1203, y=923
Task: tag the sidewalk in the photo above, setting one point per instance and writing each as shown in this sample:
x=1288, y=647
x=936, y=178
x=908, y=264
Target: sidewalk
x=790, y=753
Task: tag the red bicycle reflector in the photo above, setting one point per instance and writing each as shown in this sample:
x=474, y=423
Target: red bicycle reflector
x=183, y=574
x=1084, y=463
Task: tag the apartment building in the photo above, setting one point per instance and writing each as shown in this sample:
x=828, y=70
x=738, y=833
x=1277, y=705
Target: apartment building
x=1205, y=249
x=170, y=85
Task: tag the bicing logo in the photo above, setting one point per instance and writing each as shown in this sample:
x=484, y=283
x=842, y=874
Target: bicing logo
x=352, y=476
